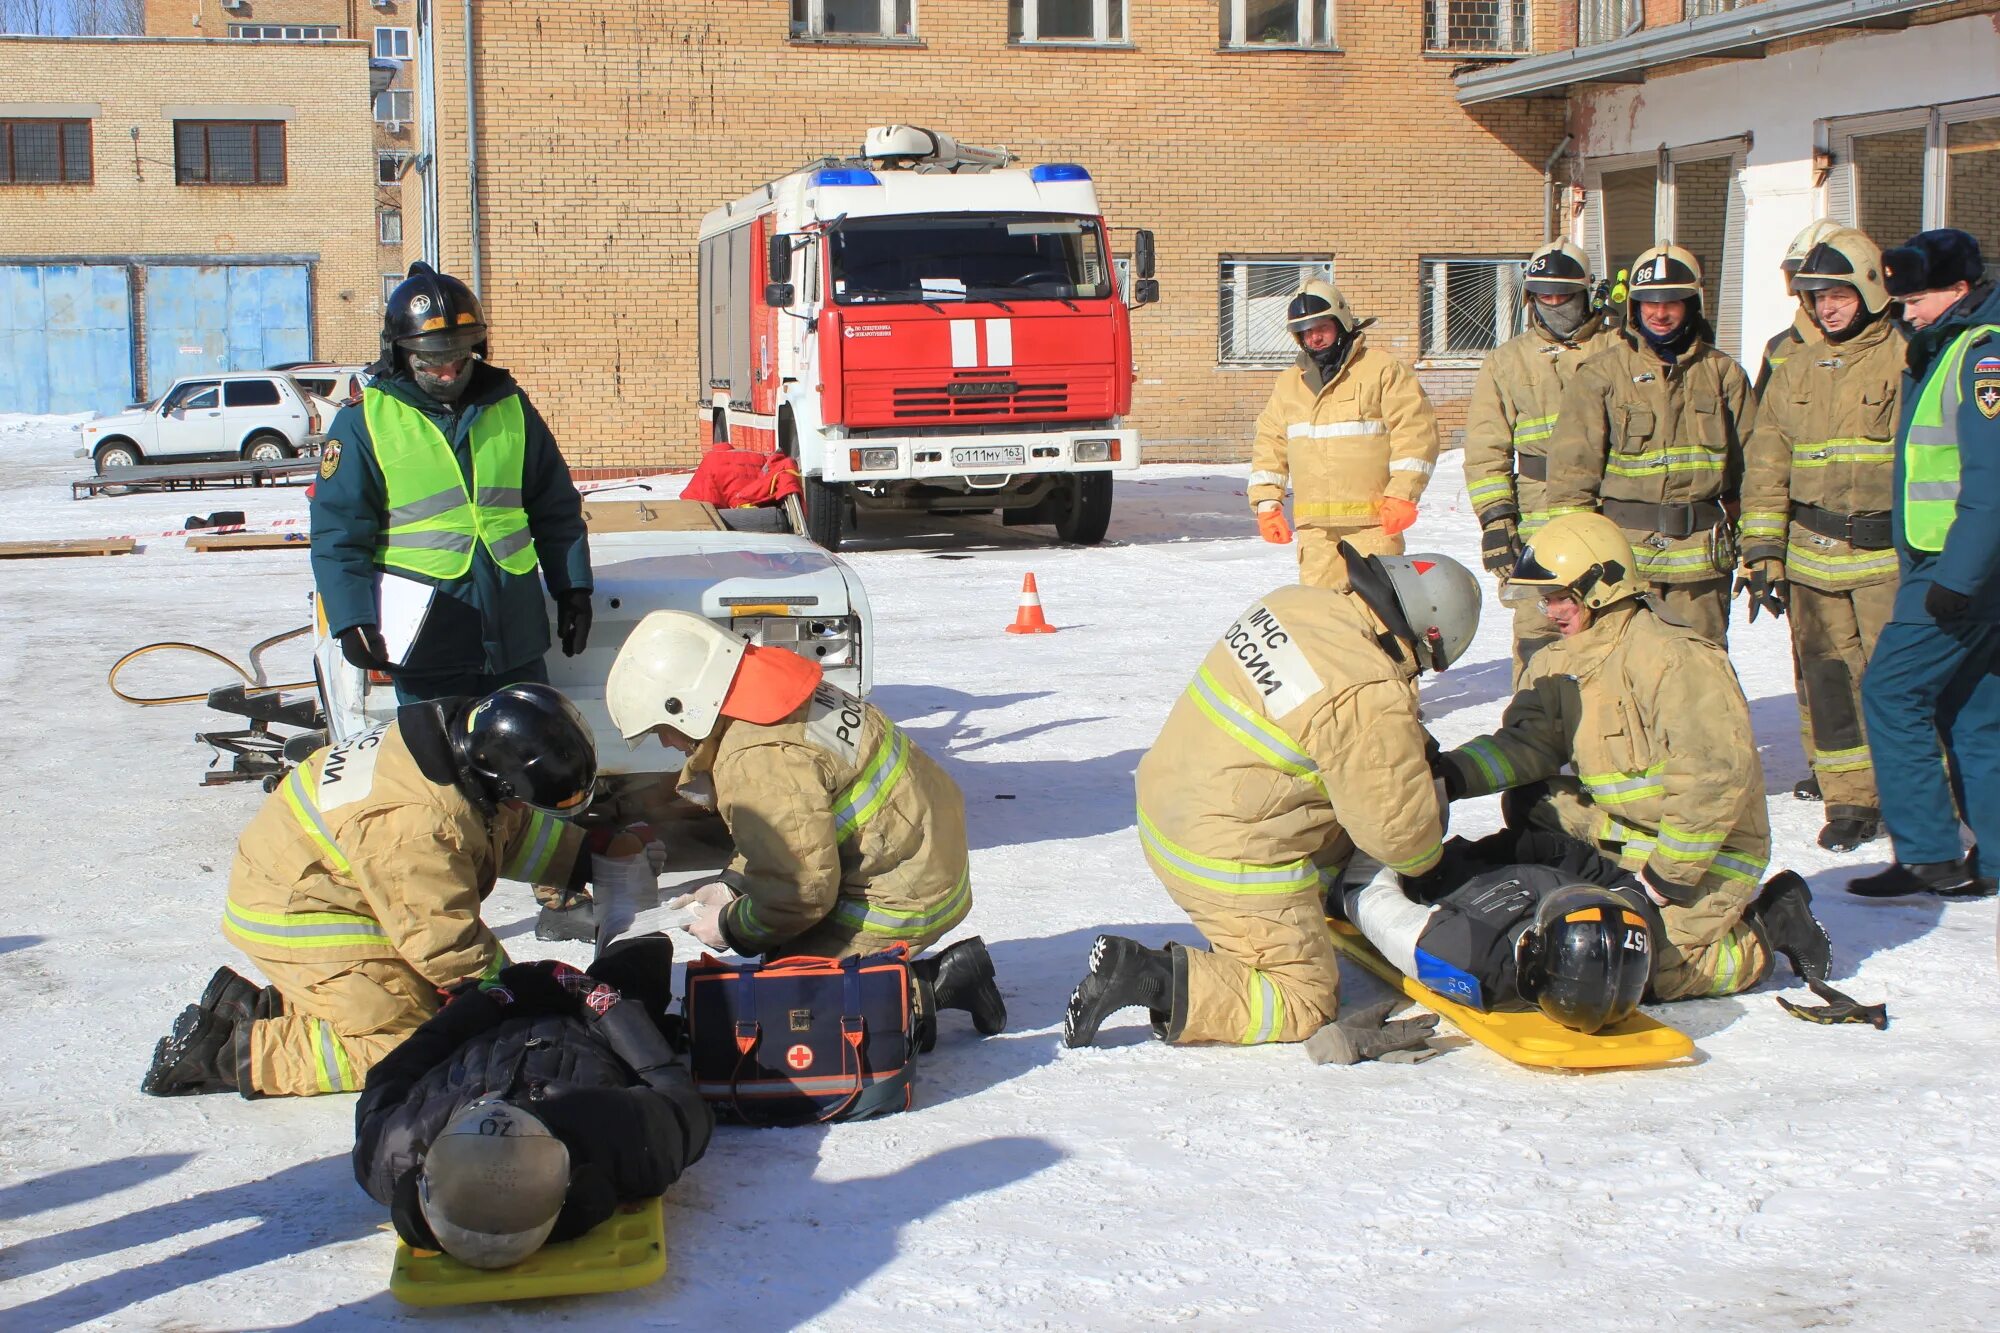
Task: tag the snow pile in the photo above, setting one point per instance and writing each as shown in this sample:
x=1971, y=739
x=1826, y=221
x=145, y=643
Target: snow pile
x=1797, y=1176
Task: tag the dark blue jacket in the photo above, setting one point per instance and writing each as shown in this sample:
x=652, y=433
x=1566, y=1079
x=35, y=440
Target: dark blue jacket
x=1970, y=561
x=490, y=620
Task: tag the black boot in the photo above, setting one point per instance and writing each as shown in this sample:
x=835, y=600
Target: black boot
x=962, y=978
x=1782, y=917
x=1848, y=826
x=1807, y=788
x=209, y=1047
x=1947, y=879
x=1122, y=973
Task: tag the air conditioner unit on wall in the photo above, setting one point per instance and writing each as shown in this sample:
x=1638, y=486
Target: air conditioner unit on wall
x=237, y=5
x=392, y=127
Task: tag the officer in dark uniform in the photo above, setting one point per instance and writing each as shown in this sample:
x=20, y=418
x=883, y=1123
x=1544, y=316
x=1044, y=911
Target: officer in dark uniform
x=444, y=476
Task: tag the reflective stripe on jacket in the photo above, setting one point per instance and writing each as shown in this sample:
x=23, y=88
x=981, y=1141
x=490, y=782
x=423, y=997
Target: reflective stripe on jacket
x=1516, y=403
x=432, y=524
x=1297, y=740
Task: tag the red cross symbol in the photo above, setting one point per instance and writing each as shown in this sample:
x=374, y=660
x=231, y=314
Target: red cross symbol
x=799, y=1057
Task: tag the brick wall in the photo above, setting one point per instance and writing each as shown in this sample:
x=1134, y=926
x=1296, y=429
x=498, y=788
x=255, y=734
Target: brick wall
x=606, y=131
x=133, y=207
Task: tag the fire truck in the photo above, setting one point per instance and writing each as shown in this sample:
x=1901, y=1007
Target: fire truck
x=926, y=327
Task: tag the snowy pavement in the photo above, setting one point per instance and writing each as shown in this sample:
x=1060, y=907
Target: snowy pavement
x=1796, y=1176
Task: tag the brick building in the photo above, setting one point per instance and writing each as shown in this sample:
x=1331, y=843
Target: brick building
x=1259, y=141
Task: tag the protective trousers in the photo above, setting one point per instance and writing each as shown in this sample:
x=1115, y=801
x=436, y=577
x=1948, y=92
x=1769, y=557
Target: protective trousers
x=1833, y=635
x=339, y=1019
x=1709, y=949
x=1702, y=607
x=1320, y=565
x=1273, y=974
x=1932, y=703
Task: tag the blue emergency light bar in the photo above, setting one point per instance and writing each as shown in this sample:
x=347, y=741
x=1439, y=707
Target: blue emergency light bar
x=1057, y=171
x=844, y=176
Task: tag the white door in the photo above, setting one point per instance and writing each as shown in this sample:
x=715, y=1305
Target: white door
x=191, y=420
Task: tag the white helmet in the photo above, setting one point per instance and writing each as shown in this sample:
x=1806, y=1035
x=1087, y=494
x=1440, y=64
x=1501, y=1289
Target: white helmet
x=675, y=668
x=493, y=1183
x=1430, y=601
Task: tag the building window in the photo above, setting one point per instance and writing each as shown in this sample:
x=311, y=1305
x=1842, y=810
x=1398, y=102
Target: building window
x=44, y=152
x=1066, y=20
x=877, y=20
x=1695, y=9
x=1605, y=20
x=389, y=225
x=392, y=43
x=1255, y=292
x=390, y=281
x=1281, y=23
x=390, y=166
x=285, y=32
x=229, y=152
x=1901, y=172
x=1470, y=306
x=1476, y=27
x=395, y=107
x=1972, y=183
x=1691, y=196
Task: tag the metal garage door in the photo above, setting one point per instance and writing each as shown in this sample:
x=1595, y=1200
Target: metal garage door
x=65, y=338
x=224, y=317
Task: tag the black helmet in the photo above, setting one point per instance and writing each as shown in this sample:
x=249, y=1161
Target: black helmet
x=1557, y=269
x=527, y=743
x=1586, y=959
x=431, y=312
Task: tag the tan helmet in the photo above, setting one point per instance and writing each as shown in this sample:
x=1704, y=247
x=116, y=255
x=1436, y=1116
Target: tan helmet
x=493, y=1183
x=1558, y=268
x=1586, y=555
x=1664, y=273
x=674, y=668
x=1802, y=244
x=1845, y=258
x=1318, y=300
x=1429, y=601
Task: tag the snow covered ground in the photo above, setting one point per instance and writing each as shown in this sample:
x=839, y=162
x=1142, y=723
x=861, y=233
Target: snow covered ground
x=1796, y=1176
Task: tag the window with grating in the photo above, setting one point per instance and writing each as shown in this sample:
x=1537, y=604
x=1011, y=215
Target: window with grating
x=1603, y=20
x=1254, y=293
x=229, y=152
x=1470, y=306
x=1499, y=27
x=1695, y=9
x=45, y=152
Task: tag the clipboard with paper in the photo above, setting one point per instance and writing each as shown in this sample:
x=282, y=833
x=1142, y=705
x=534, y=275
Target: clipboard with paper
x=402, y=607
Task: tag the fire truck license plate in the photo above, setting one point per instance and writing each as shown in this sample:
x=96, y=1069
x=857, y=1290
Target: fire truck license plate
x=987, y=455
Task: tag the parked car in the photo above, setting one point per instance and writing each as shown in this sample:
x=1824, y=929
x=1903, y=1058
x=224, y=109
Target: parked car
x=259, y=415
x=339, y=385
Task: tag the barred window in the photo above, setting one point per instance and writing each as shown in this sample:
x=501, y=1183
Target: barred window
x=44, y=152
x=389, y=226
x=1470, y=306
x=285, y=32
x=1603, y=20
x=1282, y=23
x=1066, y=20
x=1254, y=294
x=1695, y=9
x=229, y=152
x=882, y=20
x=1498, y=27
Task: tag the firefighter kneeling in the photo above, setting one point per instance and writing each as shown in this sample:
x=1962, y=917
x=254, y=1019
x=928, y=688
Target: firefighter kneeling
x=357, y=887
x=848, y=837
x=1298, y=741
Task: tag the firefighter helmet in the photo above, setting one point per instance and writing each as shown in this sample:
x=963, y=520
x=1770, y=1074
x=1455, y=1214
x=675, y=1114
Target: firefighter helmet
x=1318, y=300
x=1429, y=601
x=493, y=1184
x=1846, y=258
x=675, y=669
x=1587, y=958
x=1585, y=555
x=528, y=743
x=1665, y=273
x=431, y=312
x=1559, y=269
x=1802, y=244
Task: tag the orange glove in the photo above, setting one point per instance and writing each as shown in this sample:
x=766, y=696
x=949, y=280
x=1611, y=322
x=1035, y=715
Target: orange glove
x=1271, y=524
x=1396, y=514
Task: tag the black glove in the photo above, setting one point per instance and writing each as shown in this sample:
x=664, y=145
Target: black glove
x=1942, y=603
x=1658, y=884
x=1366, y=1036
x=362, y=646
x=573, y=620
x=1839, y=1008
x=1764, y=583
x=1500, y=545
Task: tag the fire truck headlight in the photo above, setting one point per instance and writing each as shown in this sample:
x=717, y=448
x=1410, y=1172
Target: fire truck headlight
x=872, y=460
x=1097, y=451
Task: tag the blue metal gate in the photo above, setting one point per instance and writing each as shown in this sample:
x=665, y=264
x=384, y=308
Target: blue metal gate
x=224, y=317
x=65, y=338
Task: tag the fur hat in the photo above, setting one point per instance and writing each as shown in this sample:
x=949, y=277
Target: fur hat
x=1932, y=260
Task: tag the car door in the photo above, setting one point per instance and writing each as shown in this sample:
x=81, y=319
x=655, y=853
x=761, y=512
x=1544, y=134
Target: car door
x=191, y=420
x=254, y=405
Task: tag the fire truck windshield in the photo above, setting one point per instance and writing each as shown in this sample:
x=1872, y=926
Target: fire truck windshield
x=968, y=257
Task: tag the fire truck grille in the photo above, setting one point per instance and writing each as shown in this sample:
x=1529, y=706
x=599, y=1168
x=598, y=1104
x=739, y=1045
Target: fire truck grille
x=979, y=400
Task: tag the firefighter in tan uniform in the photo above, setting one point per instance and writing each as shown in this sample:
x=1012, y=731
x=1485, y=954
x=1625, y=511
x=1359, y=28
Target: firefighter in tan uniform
x=1298, y=742
x=1651, y=436
x=1818, y=486
x=1349, y=428
x=1802, y=329
x=848, y=837
x=1513, y=413
x=356, y=889
x=1650, y=717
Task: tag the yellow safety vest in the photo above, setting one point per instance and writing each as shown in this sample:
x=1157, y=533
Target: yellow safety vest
x=1930, y=451
x=433, y=524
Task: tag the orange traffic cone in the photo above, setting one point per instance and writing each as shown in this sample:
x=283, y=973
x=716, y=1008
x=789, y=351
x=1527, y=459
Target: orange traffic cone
x=1029, y=619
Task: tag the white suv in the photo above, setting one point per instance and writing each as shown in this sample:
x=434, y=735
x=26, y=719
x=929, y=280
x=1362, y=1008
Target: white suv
x=258, y=415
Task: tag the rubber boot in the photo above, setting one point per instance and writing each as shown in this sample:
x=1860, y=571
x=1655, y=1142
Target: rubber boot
x=1122, y=973
x=565, y=917
x=1947, y=879
x=1849, y=826
x=208, y=1049
x=1782, y=917
x=962, y=978
x=1807, y=788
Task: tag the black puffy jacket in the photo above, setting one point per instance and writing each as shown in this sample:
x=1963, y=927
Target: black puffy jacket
x=608, y=1086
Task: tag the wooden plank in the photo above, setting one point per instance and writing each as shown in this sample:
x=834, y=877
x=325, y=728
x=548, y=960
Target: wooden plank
x=69, y=546
x=651, y=516
x=249, y=541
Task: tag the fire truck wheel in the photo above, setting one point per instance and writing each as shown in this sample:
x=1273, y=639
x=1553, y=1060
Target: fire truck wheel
x=826, y=509
x=1083, y=508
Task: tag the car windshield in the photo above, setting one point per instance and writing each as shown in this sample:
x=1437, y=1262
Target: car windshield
x=955, y=257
